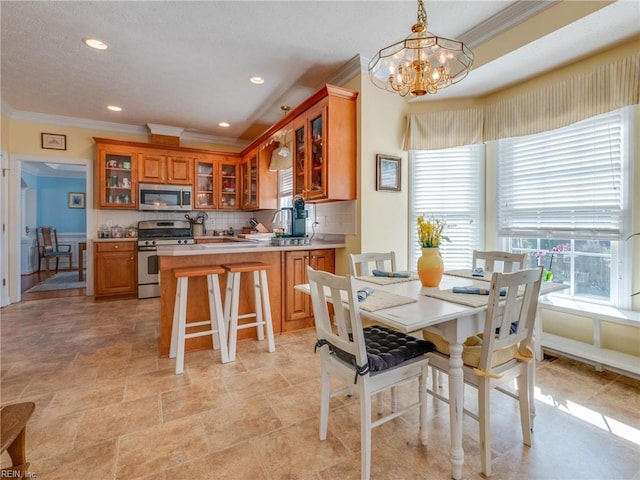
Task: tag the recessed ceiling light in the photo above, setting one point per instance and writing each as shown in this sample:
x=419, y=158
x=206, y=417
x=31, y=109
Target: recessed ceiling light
x=257, y=80
x=95, y=43
x=114, y=108
x=224, y=124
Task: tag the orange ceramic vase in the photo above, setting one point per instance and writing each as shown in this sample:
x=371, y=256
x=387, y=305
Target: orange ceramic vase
x=430, y=267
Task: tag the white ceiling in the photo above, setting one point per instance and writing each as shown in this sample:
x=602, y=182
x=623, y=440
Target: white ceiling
x=187, y=64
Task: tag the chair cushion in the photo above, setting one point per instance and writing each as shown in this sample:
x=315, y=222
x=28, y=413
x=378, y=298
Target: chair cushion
x=471, y=349
x=387, y=348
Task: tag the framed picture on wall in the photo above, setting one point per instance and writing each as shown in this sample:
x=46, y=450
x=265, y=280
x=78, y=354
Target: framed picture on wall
x=76, y=200
x=387, y=173
x=53, y=141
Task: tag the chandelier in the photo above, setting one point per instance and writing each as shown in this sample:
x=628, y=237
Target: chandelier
x=421, y=63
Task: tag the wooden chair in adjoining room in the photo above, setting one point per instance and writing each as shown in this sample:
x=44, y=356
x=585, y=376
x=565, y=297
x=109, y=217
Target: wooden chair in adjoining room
x=501, y=354
x=345, y=357
x=362, y=264
x=48, y=247
x=510, y=261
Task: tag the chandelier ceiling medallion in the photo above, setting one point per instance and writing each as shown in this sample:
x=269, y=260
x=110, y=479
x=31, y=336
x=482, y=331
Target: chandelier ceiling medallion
x=421, y=63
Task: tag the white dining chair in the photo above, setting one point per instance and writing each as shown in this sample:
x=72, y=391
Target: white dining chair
x=344, y=356
x=362, y=264
x=501, y=354
x=490, y=260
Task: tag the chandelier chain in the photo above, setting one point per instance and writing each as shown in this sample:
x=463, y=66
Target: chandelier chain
x=422, y=14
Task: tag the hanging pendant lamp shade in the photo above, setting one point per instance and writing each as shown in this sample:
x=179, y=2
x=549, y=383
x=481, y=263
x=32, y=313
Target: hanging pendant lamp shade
x=421, y=63
x=280, y=157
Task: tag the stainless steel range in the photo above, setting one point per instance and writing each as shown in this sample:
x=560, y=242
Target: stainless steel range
x=152, y=233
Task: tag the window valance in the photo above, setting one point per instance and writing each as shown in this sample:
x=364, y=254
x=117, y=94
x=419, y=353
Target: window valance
x=439, y=130
x=604, y=89
x=598, y=91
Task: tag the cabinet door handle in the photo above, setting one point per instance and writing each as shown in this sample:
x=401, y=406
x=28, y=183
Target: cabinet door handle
x=115, y=246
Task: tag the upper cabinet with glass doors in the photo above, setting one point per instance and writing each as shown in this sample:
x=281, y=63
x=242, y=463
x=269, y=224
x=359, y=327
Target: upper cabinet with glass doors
x=115, y=177
x=206, y=178
x=259, y=185
x=324, y=147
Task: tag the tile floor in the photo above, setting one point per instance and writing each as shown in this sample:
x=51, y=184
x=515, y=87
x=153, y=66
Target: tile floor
x=108, y=408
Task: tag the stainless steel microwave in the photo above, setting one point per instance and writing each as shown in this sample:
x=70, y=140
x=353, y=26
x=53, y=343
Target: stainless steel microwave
x=173, y=198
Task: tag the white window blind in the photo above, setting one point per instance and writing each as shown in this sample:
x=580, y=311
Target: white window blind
x=449, y=184
x=565, y=183
x=285, y=188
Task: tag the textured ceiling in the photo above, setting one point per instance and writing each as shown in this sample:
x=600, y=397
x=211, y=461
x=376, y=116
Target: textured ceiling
x=187, y=64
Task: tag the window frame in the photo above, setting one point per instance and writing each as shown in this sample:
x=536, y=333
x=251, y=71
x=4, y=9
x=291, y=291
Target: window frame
x=621, y=250
x=464, y=261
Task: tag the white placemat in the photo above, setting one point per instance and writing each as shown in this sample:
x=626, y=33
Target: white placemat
x=471, y=300
x=387, y=280
x=380, y=299
x=466, y=273
x=468, y=299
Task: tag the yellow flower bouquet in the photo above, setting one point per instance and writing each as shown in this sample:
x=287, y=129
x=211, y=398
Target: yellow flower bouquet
x=430, y=232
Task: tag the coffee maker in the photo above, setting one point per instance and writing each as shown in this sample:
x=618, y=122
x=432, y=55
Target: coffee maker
x=298, y=219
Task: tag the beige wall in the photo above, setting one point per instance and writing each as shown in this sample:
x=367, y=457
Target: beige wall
x=383, y=214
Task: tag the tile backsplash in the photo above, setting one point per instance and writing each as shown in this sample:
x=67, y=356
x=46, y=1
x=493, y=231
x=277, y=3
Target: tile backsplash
x=332, y=218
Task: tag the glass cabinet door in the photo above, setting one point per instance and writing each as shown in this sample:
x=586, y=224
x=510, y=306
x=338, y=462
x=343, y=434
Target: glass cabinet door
x=317, y=164
x=205, y=180
x=118, y=181
x=228, y=185
x=299, y=161
x=249, y=175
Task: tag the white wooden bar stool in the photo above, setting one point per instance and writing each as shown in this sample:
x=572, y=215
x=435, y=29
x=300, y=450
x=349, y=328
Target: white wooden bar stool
x=262, y=305
x=216, y=322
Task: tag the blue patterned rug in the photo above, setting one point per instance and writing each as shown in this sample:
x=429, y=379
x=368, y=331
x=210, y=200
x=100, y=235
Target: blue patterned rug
x=60, y=281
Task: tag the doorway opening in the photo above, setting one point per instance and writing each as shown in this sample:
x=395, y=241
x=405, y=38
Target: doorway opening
x=52, y=194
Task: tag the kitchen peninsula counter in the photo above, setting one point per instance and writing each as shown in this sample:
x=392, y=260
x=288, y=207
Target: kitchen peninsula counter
x=178, y=256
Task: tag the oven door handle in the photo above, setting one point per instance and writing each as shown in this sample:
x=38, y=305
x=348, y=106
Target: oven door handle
x=147, y=248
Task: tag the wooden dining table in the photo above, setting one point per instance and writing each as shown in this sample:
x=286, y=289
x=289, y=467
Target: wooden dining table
x=435, y=308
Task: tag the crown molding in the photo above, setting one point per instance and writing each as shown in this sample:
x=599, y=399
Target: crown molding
x=355, y=66
x=77, y=122
x=110, y=126
x=167, y=130
x=504, y=20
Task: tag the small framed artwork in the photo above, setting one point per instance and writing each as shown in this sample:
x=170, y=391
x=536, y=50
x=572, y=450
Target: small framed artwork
x=76, y=200
x=53, y=141
x=387, y=173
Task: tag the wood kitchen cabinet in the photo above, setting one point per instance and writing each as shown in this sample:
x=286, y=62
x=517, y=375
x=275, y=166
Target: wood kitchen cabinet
x=324, y=148
x=228, y=184
x=206, y=179
x=259, y=185
x=115, y=177
x=115, y=268
x=298, y=313
x=163, y=167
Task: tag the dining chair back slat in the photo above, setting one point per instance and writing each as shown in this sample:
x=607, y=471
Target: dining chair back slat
x=491, y=260
x=362, y=264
